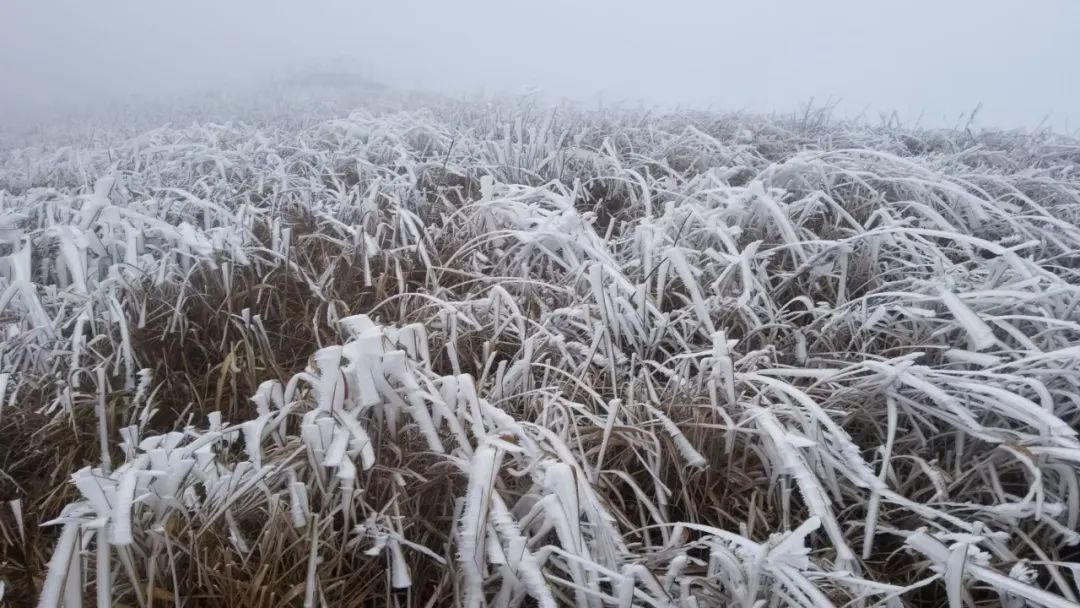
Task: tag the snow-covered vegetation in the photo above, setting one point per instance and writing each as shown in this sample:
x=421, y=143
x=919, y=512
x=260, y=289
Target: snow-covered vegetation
x=505, y=355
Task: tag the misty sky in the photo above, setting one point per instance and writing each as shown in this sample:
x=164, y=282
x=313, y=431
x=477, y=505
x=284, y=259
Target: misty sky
x=919, y=57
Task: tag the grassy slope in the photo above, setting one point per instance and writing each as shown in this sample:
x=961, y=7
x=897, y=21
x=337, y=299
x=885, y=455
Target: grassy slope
x=605, y=358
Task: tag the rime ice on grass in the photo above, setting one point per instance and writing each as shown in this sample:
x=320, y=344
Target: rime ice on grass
x=497, y=357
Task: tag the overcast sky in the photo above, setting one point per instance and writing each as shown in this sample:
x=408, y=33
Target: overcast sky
x=936, y=58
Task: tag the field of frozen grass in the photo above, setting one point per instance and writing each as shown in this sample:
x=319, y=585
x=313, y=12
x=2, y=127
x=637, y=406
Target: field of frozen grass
x=506, y=355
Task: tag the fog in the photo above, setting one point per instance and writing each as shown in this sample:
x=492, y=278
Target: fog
x=928, y=61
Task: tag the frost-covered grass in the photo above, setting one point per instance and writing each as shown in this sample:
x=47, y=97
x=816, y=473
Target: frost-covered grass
x=500, y=355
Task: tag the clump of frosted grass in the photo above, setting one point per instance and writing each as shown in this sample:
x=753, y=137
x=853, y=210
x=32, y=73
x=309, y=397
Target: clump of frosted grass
x=502, y=357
